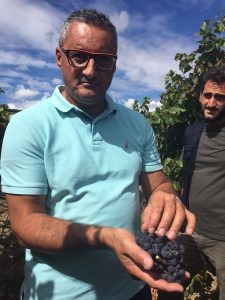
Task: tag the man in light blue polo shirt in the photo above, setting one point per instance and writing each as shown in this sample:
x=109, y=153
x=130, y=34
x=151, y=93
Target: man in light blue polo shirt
x=70, y=169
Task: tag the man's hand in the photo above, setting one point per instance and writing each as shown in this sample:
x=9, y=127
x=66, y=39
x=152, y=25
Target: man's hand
x=136, y=261
x=165, y=214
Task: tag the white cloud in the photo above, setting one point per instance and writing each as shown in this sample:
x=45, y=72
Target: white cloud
x=13, y=74
x=57, y=81
x=39, y=84
x=25, y=97
x=148, y=64
x=45, y=95
x=129, y=103
x=148, y=25
x=22, y=105
x=152, y=105
x=23, y=60
x=24, y=93
x=27, y=87
x=27, y=24
x=121, y=85
x=120, y=20
x=12, y=105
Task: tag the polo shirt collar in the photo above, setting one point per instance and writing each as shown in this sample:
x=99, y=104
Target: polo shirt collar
x=65, y=106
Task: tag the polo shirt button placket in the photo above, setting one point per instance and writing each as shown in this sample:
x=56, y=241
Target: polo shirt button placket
x=96, y=137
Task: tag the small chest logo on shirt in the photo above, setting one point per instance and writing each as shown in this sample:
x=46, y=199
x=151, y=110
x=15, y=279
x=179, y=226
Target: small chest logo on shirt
x=126, y=145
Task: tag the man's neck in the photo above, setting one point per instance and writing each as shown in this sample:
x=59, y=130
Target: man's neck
x=93, y=110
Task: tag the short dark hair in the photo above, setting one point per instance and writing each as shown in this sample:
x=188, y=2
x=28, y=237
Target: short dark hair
x=87, y=16
x=214, y=74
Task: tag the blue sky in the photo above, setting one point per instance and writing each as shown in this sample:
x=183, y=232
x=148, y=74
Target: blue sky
x=150, y=33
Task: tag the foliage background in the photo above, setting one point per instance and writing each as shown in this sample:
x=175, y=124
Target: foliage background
x=180, y=100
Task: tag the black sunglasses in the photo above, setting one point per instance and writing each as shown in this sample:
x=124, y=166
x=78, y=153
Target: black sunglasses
x=80, y=58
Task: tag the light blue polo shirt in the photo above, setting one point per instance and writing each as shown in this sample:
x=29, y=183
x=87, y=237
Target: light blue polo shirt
x=89, y=170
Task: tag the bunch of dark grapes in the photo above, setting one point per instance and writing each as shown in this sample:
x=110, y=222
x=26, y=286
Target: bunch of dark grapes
x=167, y=255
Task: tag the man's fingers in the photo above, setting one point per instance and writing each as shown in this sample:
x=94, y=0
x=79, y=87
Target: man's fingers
x=166, y=216
x=191, y=222
x=141, y=258
x=152, y=215
x=152, y=279
x=177, y=221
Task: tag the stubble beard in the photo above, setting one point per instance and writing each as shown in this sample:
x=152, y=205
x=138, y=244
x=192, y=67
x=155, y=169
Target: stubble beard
x=216, y=119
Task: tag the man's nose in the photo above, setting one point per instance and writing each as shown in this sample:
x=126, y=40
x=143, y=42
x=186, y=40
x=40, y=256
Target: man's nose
x=90, y=69
x=212, y=101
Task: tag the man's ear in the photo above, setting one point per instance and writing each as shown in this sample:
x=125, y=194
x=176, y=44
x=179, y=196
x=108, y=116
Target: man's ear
x=200, y=98
x=58, y=56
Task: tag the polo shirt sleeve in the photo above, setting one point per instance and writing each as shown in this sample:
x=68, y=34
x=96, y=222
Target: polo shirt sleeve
x=150, y=161
x=22, y=160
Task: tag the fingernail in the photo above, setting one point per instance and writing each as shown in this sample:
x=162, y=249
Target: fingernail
x=171, y=234
x=147, y=264
x=151, y=230
x=161, y=231
x=189, y=230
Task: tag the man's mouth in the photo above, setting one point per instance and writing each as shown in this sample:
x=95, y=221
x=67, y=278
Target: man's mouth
x=89, y=84
x=211, y=110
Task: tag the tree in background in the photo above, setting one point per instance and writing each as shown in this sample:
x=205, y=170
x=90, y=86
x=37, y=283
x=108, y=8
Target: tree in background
x=180, y=100
x=5, y=113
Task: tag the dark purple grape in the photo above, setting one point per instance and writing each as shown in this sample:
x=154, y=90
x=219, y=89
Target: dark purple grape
x=168, y=256
x=171, y=269
x=146, y=245
x=173, y=262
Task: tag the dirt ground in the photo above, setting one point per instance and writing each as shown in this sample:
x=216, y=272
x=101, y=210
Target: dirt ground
x=11, y=258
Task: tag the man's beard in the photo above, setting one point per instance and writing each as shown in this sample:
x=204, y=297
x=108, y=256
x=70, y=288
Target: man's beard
x=218, y=118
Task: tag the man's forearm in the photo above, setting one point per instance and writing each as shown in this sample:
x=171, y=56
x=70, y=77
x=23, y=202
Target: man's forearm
x=155, y=181
x=41, y=231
